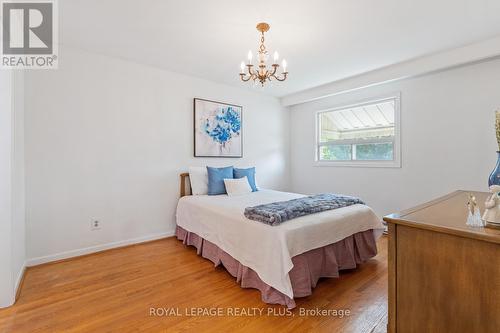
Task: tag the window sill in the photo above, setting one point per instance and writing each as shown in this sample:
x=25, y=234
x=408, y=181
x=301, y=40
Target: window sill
x=359, y=164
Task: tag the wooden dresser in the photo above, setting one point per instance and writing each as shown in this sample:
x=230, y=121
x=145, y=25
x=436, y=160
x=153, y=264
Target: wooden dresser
x=443, y=275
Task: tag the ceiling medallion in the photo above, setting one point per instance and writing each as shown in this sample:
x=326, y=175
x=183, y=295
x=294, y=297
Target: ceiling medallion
x=263, y=73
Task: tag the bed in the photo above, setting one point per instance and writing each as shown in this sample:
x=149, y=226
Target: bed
x=285, y=261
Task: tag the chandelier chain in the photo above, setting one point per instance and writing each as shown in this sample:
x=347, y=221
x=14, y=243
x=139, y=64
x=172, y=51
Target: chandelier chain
x=262, y=46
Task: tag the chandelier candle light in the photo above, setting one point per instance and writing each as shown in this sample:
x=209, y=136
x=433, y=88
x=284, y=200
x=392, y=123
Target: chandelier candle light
x=263, y=73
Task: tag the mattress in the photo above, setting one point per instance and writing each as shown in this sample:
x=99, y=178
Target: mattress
x=268, y=250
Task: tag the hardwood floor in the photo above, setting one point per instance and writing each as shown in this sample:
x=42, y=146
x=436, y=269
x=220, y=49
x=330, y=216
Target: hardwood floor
x=114, y=291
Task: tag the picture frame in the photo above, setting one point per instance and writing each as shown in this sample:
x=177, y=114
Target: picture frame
x=217, y=129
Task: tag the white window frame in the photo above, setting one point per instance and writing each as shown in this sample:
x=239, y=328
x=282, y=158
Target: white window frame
x=395, y=163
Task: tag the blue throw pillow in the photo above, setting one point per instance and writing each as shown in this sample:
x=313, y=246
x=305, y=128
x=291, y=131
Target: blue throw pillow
x=250, y=173
x=216, y=178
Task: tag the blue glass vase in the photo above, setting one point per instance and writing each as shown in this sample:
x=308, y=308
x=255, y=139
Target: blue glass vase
x=495, y=174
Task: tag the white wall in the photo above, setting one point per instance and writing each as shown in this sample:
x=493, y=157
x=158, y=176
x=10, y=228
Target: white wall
x=448, y=140
x=12, y=222
x=106, y=139
x=18, y=179
x=6, y=276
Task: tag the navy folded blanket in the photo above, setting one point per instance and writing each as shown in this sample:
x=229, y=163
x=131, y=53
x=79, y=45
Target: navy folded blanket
x=278, y=212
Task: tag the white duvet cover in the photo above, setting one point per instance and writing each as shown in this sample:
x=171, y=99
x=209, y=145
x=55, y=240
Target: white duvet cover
x=268, y=250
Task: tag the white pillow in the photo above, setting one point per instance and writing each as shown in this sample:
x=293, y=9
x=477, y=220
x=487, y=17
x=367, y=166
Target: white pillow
x=198, y=176
x=237, y=186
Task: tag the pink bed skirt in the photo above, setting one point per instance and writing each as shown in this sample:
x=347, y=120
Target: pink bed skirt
x=307, y=269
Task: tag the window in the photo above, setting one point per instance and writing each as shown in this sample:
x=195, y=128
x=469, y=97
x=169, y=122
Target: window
x=365, y=134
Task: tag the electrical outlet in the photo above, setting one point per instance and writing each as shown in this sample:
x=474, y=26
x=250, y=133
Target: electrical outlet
x=95, y=225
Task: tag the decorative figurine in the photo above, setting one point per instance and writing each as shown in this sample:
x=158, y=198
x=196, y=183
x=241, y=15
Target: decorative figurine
x=474, y=217
x=492, y=213
x=494, y=178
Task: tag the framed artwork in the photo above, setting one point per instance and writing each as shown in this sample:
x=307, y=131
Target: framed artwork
x=217, y=129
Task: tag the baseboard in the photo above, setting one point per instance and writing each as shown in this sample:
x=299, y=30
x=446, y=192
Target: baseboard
x=97, y=248
x=20, y=281
x=17, y=288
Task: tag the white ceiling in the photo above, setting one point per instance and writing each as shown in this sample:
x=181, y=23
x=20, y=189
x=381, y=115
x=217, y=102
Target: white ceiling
x=323, y=41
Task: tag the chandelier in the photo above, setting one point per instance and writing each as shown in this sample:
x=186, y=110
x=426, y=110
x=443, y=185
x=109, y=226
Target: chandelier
x=263, y=73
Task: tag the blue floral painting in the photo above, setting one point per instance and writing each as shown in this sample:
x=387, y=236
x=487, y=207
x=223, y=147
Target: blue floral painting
x=217, y=129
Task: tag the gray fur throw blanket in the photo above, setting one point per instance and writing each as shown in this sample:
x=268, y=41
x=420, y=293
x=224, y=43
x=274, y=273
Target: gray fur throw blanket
x=277, y=212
